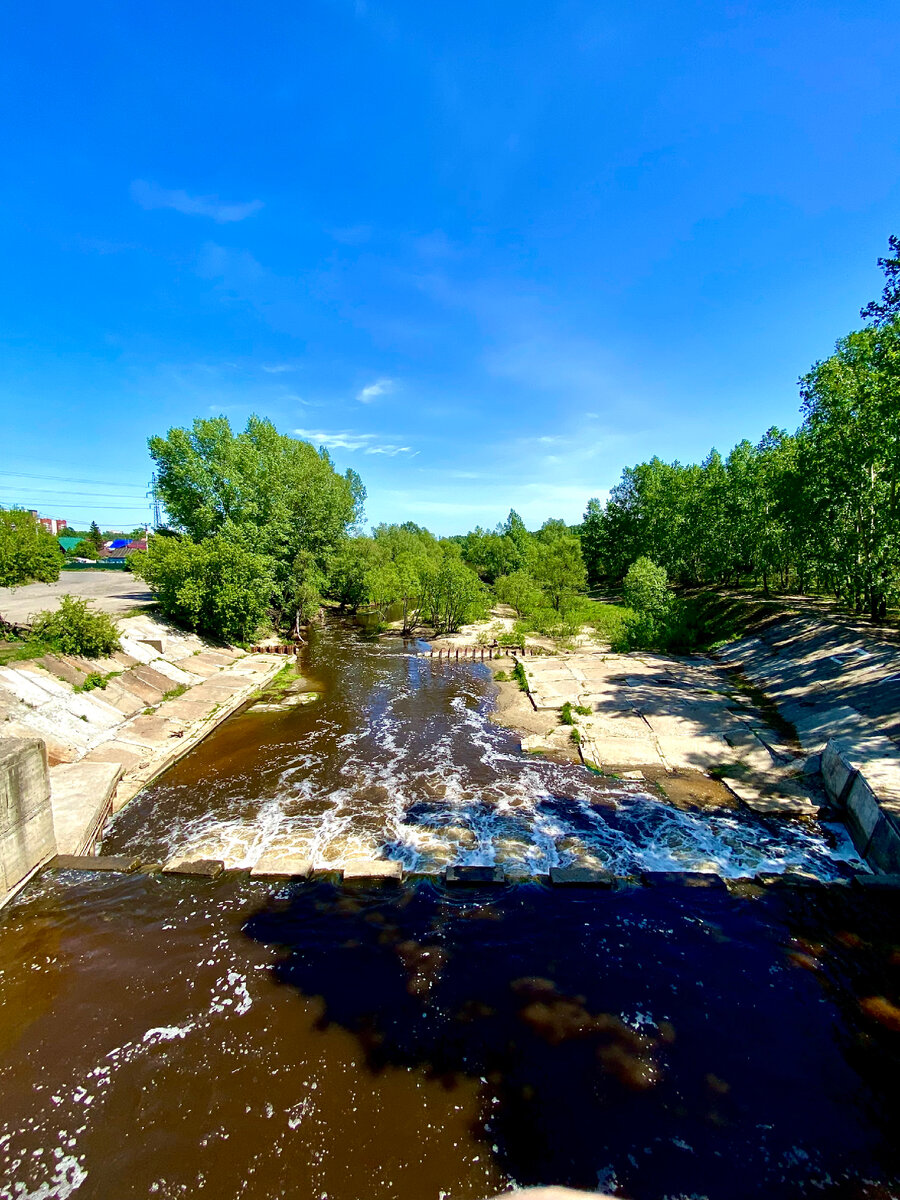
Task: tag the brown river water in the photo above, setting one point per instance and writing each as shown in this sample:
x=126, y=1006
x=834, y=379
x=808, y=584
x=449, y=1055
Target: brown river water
x=165, y=1036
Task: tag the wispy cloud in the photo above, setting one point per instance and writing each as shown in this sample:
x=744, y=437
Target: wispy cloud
x=373, y=390
x=278, y=368
x=150, y=195
x=347, y=439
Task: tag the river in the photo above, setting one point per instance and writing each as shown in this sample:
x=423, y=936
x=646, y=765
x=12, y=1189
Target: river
x=169, y=1036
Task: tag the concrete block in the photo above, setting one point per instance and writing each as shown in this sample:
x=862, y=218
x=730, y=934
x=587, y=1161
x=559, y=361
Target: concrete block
x=581, y=877
x=371, y=870
x=81, y=797
x=883, y=850
x=211, y=868
x=474, y=876
x=94, y=862
x=863, y=812
x=281, y=864
x=701, y=879
x=27, y=836
x=877, y=882
x=836, y=771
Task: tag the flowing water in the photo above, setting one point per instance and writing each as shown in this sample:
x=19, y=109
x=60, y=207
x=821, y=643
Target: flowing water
x=397, y=759
x=166, y=1036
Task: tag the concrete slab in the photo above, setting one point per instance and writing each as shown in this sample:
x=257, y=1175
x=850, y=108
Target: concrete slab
x=281, y=864
x=621, y=752
x=150, y=731
x=81, y=798
x=772, y=801
x=371, y=869
x=127, y=754
x=94, y=862
x=474, y=876
x=581, y=877
x=702, y=879
x=210, y=868
x=701, y=752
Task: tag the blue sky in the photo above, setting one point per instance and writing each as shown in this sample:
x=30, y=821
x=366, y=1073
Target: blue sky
x=488, y=253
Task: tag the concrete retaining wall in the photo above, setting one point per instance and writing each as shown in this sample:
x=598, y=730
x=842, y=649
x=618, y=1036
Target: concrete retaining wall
x=873, y=818
x=26, y=818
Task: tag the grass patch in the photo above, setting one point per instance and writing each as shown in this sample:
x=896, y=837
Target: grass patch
x=520, y=677
x=95, y=680
x=565, y=714
x=173, y=693
x=22, y=649
x=501, y=677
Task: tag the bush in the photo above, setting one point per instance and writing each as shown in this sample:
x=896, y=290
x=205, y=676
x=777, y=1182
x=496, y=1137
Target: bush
x=215, y=586
x=565, y=714
x=76, y=628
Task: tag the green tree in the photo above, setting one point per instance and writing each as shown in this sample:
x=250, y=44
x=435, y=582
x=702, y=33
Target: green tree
x=851, y=407
x=646, y=588
x=520, y=592
x=272, y=494
x=27, y=551
x=95, y=539
x=452, y=593
x=556, y=563
x=215, y=586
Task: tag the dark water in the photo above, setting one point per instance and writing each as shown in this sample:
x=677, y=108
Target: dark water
x=397, y=759
x=166, y=1037
x=163, y=1036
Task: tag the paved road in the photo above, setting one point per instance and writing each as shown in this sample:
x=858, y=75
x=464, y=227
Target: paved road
x=110, y=591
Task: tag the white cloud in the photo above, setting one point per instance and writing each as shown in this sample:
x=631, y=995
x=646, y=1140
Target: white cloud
x=150, y=195
x=347, y=439
x=277, y=368
x=373, y=390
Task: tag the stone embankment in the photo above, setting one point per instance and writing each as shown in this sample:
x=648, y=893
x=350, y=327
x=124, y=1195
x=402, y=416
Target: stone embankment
x=841, y=691
x=652, y=716
x=164, y=691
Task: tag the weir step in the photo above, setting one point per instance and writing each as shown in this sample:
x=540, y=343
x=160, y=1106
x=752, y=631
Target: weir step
x=212, y=868
x=474, y=876
x=94, y=862
x=581, y=877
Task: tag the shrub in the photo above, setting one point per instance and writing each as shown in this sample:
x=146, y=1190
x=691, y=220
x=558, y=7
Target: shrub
x=215, y=586
x=76, y=628
x=565, y=714
x=518, y=672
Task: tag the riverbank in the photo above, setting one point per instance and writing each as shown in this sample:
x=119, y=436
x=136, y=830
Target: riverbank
x=111, y=726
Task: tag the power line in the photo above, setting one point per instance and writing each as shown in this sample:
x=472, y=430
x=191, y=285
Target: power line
x=64, y=497
x=68, y=479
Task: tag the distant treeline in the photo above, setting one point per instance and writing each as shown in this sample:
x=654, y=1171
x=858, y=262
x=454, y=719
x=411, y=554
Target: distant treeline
x=818, y=508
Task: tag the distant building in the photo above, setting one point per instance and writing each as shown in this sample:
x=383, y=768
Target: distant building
x=54, y=525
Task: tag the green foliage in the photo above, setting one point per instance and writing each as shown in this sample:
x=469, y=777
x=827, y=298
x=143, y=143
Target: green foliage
x=818, y=508
x=575, y=737
x=173, y=693
x=557, y=564
x=28, y=552
x=452, y=594
x=519, y=591
x=519, y=675
x=272, y=498
x=215, y=586
x=582, y=709
x=501, y=677
x=95, y=679
x=565, y=714
x=646, y=588
x=76, y=628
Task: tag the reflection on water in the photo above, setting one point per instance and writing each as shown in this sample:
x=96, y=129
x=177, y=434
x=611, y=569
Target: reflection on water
x=398, y=758
x=178, y=1037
